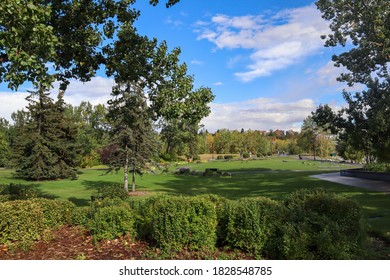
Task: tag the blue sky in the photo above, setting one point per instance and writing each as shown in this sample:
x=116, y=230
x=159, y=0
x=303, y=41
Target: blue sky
x=264, y=61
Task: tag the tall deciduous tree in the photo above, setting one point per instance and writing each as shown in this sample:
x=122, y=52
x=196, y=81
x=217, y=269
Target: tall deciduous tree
x=150, y=72
x=73, y=37
x=365, y=24
x=315, y=139
x=364, y=125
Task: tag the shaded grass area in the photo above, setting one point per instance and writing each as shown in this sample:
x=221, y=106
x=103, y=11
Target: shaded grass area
x=273, y=177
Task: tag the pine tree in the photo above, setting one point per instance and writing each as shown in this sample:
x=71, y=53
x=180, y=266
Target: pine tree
x=132, y=130
x=44, y=147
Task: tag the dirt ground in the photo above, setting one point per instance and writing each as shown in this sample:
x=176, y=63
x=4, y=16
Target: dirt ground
x=75, y=243
x=72, y=243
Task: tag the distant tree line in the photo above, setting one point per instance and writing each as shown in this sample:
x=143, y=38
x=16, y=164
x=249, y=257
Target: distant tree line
x=88, y=135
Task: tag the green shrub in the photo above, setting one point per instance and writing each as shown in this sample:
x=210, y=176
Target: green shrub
x=80, y=216
x=112, y=191
x=220, y=157
x=27, y=220
x=21, y=221
x=250, y=224
x=18, y=191
x=322, y=225
x=5, y=197
x=228, y=157
x=377, y=167
x=56, y=212
x=177, y=223
x=246, y=155
x=110, y=222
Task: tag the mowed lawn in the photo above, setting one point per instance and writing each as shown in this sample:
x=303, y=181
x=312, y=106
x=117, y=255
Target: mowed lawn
x=272, y=177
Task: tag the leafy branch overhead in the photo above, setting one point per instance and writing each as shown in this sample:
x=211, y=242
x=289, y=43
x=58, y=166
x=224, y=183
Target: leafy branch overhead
x=46, y=40
x=365, y=24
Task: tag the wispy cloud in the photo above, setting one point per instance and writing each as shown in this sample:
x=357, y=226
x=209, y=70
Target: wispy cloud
x=218, y=84
x=275, y=42
x=97, y=91
x=173, y=22
x=197, y=62
x=261, y=114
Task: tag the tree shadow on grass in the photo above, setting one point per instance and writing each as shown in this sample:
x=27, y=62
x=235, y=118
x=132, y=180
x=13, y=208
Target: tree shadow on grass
x=25, y=190
x=99, y=185
x=271, y=184
x=80, y=202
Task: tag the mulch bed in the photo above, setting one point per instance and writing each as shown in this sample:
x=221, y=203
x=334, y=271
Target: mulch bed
x=71, y=243
x=75, y=243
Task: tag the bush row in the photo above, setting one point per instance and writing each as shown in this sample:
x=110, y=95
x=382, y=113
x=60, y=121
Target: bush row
x=305, y=225
x=17, y=192
x=27, y=220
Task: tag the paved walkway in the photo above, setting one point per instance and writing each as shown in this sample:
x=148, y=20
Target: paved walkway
x=380, y=186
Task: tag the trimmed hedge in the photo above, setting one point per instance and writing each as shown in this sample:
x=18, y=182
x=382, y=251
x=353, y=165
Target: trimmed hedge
x=111, y=222
x=176, y=223
x=250, y=224
x=305, y=225
x=26, y=220
x=323, y=225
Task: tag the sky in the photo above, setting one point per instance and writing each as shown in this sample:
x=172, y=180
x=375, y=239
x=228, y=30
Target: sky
x=264, y=61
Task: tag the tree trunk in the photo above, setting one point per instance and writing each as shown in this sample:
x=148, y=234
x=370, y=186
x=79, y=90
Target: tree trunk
x=133, y=180
x=126, y=172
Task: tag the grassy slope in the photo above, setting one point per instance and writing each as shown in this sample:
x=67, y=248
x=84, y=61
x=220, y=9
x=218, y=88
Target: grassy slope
x=273, y=178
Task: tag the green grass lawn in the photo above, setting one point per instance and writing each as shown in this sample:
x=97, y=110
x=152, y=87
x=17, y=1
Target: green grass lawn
x=272, y=177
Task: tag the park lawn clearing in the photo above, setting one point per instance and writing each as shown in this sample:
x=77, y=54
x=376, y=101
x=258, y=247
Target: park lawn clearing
x=272, y=177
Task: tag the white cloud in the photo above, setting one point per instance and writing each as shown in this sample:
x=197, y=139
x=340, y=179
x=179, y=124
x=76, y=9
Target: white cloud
x=260, y=114
x=328, y=74
x=275, y=42
x=10, y=102
x=97, y=91
x=218, y=84
x=175, y=23
x=197, y=62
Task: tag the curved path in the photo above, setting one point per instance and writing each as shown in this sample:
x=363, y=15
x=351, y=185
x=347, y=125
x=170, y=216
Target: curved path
x=380, y=186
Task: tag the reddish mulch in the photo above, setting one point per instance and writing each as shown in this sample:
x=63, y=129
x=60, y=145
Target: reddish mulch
x=70, y=243
x=75, y=243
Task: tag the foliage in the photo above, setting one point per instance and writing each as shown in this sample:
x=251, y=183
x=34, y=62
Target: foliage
x=377, y=167
x=322, y=225
x=46, y=143
x=181, y=222
x=75, y=37
x=4, y=142
x=112, y=191
x=111, y=221
x=250, y=224
x=19, y=191
x=27, y=220
x=315, y=139
x=80, y=216
x=92, y=130
x=21, y=221
x=366, y=25
x=56, y=212
x=364, y=124
x=132, y=131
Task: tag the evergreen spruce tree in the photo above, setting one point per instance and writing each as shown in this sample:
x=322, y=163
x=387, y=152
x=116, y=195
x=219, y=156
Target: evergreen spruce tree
x=132, y=130
x=65, y=145
x=44, y=147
